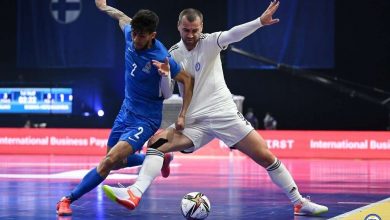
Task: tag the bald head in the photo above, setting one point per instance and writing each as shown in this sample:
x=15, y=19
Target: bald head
x=191, y=15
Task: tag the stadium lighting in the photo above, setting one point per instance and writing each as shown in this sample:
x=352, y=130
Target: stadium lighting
x=100, y=113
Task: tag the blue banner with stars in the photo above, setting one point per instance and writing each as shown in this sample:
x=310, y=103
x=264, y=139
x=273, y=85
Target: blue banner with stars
x=63, y=34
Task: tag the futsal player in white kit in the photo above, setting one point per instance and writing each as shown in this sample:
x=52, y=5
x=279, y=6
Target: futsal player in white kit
x=212, y=113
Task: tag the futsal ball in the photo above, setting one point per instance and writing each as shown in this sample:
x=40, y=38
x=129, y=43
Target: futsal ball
x=195, y=206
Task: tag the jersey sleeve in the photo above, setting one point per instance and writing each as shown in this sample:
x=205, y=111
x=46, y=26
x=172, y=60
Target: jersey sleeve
x=127, y=32
x=211, y=46
x=237, y=33
x=175, y=67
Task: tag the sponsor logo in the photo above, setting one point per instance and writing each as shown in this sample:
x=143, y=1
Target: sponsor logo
x=372, y=217
x=147, y=68
x=197, y=66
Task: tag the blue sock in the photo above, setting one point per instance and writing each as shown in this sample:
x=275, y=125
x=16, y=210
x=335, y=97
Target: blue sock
x=93, y=179
x=135, y=160
x=89, y=182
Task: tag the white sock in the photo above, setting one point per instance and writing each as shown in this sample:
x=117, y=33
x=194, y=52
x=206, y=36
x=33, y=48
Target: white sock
x=282, y=178
x=150, y=169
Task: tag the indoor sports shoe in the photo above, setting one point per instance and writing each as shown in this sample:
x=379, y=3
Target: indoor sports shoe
x=307, y=207
x=165, y=169
x=63, y=207
x=122, y=196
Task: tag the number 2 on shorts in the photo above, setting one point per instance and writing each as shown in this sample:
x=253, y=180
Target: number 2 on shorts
x=140, y=130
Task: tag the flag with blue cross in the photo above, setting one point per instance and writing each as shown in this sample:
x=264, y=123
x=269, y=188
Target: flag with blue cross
x=63, y=33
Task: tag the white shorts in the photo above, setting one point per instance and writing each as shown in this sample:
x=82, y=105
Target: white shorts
x=229, y=127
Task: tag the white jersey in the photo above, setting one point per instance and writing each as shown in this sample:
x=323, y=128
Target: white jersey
x=210, y=95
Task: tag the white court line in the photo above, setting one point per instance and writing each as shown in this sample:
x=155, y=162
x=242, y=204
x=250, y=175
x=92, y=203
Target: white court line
x=358, y=210
x=53, y=164
x=73, y=174
x=49, y=164
x=355, y=203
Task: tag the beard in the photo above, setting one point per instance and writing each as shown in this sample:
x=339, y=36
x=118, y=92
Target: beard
x=190, y=43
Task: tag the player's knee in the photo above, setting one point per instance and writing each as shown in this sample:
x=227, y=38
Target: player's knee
x=266, y=156
x=108, y=164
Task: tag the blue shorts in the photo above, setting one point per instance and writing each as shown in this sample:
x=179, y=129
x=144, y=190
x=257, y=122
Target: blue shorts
x=134, y=129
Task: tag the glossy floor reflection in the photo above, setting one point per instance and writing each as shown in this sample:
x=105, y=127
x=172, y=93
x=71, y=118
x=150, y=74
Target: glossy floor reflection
x=237, y=188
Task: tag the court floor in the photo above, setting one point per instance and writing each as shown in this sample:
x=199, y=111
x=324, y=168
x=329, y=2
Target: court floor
x=30, y=187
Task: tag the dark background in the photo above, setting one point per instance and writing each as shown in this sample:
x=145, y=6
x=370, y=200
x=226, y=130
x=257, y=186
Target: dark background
x=361, y=56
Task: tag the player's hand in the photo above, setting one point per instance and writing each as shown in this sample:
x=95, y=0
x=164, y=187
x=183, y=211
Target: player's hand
x=163, y=68
x=266, y=17
x=100, y=3
x=179, y=125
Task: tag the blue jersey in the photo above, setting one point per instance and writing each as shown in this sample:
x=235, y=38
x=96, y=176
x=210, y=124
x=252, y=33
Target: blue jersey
x=142, y=80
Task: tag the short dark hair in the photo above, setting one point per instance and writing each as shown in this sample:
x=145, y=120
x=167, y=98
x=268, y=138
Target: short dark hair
x=145, y=21
x=191, y=14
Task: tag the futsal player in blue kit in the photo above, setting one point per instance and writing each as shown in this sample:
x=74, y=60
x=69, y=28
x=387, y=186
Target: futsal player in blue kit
x=146, y=86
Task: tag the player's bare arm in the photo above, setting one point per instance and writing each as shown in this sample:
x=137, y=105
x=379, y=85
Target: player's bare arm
x=113, y=12
x=188, y=84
